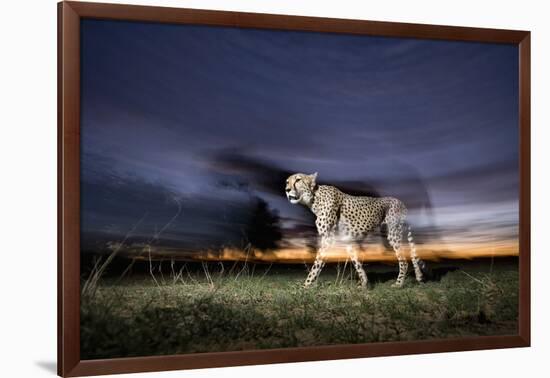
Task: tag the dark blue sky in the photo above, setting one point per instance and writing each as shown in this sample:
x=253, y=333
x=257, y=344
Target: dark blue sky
x=167, y=108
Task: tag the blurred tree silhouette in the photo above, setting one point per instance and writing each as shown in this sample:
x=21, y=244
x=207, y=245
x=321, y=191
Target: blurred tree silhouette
x=263, y=230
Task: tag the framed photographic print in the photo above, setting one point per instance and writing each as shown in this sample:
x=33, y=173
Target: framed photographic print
x=239, y=188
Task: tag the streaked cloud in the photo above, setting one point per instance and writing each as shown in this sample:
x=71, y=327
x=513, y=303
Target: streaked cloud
x=215, y=117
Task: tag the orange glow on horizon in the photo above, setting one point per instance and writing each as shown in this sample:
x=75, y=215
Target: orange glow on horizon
x=372, y=253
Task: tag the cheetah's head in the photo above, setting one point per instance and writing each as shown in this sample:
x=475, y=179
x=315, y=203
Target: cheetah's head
x=300, y=187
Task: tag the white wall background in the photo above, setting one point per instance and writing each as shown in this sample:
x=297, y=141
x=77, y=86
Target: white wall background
x=28, y=185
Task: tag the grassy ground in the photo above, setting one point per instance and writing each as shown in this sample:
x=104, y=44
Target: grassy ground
x=251, y=310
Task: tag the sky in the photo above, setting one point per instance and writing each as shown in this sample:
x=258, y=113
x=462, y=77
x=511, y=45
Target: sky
x=185, y=128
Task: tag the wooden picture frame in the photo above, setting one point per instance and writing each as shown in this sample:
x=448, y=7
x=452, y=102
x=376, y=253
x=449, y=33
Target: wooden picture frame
x=70, y=15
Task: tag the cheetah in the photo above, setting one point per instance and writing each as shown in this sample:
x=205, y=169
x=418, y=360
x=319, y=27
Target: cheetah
x=349, y=219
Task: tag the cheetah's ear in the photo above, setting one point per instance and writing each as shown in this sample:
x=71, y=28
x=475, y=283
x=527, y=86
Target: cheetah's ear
x=313, y=179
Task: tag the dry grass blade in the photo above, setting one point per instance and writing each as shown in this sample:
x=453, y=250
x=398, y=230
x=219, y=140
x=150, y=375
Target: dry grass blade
x=90, y=286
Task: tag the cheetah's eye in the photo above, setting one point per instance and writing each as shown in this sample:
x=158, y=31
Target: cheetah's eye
x=298, y=179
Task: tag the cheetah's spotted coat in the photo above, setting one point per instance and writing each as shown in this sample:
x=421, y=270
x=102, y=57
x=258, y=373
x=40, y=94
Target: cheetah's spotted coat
x=350, y=219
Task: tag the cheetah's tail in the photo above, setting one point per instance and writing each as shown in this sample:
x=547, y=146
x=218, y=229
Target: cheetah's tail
x=420, y=268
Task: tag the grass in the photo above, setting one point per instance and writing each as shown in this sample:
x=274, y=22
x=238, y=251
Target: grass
x=225, y=312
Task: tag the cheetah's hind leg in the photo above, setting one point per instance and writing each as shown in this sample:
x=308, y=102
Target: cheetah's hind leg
x=395, y=234
x=418, y=264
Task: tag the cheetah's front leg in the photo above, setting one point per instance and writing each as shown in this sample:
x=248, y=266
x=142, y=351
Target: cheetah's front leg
x=319, y=262
x=352, y=253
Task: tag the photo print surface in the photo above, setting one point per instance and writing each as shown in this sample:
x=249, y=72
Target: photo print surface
x=236, y=182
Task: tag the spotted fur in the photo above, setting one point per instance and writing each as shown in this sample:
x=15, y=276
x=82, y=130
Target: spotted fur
x=347, y=218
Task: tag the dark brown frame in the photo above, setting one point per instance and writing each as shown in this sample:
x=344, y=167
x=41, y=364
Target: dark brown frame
x=69, y=15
